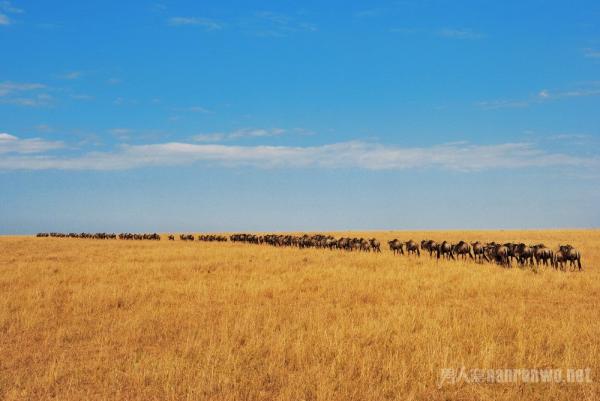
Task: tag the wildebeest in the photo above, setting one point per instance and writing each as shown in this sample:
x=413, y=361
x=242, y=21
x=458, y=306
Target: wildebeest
x=429, y=246
x=444, y=249
x=375, y=245
x=541, y=254
x=559, y=260
x=479, y=251
x=396, y=246
x=412, y=247
x=501, y=254
x=572, y=255
x=463, y=249
x=524, y=254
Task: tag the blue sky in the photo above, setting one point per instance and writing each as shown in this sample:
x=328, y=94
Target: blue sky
x=279, y=115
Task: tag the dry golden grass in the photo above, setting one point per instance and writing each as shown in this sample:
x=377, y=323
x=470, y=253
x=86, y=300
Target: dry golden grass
x=111, y=320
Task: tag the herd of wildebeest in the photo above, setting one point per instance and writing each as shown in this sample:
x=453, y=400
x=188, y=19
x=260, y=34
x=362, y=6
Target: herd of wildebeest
x=503, y=254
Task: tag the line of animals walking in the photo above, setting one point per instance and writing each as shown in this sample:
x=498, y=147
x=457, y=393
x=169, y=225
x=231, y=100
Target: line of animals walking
x=503, y=254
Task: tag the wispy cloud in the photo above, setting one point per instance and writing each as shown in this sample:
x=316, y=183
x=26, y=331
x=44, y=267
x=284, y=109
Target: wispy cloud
x=24, y=94
x=206, y=23
x=461, y=157
x=238, y=134
x=71, y=75
x=502, y=104
x=371, y=12
x=261, y=23
x=8, y=87
x=269, y=23
x=445, y=33
x=82, y=96
x=576, y=139
x=121, y=133
x=570, y=136
x=7, y=8
x=39, y=100
x=465, y=33
x=121, y=101
x=404, y=30
x=591, y=53
x=12, y=144
x=544, y=95
x=198, y=109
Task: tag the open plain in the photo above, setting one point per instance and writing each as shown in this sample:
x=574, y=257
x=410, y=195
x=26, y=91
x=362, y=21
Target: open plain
x=165, y=320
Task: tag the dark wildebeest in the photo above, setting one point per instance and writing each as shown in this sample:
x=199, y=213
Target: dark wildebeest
x=463, y=249
x=375, y=245
x=396, y=246
x=479, y=251
x=412, y=247
x=510, y=249
x=343, y=243
x=501, y=255
x=171, y=237
x=559, y=259
x=524, y=254
x=542, y=254
x=444, y=249
x=429, y=246
x=572, y=255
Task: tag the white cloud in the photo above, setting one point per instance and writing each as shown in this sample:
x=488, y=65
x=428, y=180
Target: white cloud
x=24, y=94
x=206, y=23
x=121, y=133
x=463, y=157
x=198, y=109
x=72, y=75
x=587, y=91
x=8, y=87
x=570, y=136
x=272, y=24
x=502, y=104
x=460, y=34
x=591, y=53
x=6, y=6
x=44, y=128
x=121, y=101
x=82, y=96
x=371, y=12
x=238, y=134
x=12, y=144
x=39, y=100
x=544, y=95
x=213, y=137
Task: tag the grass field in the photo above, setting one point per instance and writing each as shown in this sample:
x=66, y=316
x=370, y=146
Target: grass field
x=106, y=320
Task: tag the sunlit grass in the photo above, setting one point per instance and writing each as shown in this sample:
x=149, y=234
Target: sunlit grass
x=142, y=320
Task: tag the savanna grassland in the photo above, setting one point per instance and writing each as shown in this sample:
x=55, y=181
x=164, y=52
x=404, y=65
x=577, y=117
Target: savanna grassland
x=84, y=319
